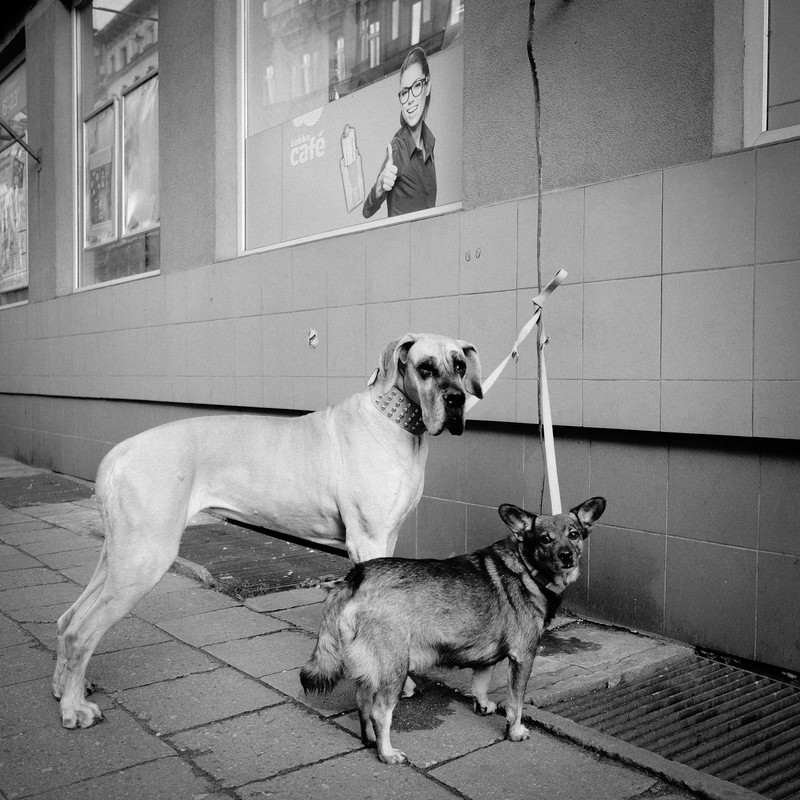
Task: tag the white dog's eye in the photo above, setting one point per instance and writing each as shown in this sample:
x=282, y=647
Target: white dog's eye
x=460, y=367
x=427, y=369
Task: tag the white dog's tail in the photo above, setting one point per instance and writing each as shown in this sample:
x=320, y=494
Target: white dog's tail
x=325, y=667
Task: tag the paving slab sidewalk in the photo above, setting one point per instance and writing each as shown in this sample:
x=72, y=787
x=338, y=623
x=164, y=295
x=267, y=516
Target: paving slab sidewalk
x=202, y=698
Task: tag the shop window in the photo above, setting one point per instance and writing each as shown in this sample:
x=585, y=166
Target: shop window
x=321, y=105
x=118, y=133
x=772, y=70
x=13, y=185
x=395, y=19
x=374, y=44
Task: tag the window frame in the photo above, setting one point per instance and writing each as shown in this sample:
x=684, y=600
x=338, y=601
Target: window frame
x=79, y=165
x=756, y=75
x=109, y=107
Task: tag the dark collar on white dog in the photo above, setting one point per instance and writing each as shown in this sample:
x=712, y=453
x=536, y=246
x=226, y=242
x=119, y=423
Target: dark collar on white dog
x=394, y=405
x=553, y=585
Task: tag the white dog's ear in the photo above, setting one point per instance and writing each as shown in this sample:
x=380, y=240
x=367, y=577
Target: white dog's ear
x=472, y=380
x=395, y=353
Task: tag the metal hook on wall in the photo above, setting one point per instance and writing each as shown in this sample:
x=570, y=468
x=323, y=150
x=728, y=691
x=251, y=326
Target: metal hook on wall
x=37, y=157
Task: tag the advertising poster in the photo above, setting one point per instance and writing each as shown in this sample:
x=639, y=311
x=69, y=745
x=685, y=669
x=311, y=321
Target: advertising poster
x=358, y=119
x=13, y=219
x=13, y=185
x=140, y=209
x=100, y=196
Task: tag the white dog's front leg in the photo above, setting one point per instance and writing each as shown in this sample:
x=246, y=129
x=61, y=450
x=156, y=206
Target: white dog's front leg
x=363, y=546
x=362, y=551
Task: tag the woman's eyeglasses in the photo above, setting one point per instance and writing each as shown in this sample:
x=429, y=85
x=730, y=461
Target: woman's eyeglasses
x=415, y=89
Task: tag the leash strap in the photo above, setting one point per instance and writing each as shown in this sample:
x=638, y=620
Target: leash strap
x=546, y=420
x=538, y=301
x=549, y=443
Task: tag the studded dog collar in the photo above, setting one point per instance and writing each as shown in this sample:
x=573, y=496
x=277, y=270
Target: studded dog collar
x=394, y=405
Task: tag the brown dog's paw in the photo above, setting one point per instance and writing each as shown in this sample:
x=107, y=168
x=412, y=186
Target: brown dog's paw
x=483, y=710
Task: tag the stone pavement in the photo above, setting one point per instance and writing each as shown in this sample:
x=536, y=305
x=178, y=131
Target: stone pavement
x=201, y=697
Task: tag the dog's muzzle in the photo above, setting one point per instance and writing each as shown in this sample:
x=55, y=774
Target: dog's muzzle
x=567, y=558
x=454, y=411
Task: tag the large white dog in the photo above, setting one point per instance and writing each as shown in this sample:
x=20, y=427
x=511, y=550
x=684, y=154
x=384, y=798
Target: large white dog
x=350, y=473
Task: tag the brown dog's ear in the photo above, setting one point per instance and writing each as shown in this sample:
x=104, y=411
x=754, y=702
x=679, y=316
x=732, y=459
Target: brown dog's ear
x=518, y=520
x=589, y=511
x=472, y=379
x=395, y=353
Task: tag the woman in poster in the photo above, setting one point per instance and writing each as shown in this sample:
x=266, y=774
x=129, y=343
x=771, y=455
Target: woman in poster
x=407, y=180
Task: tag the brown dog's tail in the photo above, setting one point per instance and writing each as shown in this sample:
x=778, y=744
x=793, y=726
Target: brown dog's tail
x=325, y=667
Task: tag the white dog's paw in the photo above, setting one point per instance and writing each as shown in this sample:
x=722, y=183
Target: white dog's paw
x=81, y=715
x=393, y=756
x=517, y=733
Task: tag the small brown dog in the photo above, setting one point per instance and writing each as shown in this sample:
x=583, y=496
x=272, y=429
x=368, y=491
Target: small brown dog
x=392, y=616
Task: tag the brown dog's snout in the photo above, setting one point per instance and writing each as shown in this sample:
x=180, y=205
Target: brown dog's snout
x=566, y=557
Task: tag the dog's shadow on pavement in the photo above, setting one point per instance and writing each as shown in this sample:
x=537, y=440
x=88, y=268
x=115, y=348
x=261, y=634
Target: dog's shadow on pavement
x=426, y=711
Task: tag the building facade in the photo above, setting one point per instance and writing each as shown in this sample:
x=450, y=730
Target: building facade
x=189, y=218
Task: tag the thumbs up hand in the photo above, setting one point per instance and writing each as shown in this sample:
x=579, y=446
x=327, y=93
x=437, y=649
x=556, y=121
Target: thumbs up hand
x=388, y=176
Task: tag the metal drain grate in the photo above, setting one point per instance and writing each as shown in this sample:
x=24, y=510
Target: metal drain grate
x=730, y=723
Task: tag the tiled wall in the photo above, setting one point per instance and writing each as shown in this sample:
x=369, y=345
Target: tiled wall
x=679, y=316
x=71, y=435
x=695, y=543
x=698, y=543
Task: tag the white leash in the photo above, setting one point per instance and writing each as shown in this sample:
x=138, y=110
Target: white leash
x=549, y=444
x=546, y=420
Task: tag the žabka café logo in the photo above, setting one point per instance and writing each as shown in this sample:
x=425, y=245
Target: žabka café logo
x=307, y=146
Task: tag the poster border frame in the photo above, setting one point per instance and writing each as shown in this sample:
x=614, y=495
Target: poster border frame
x=241, y=139
x=112, y=104
x=24, y=282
